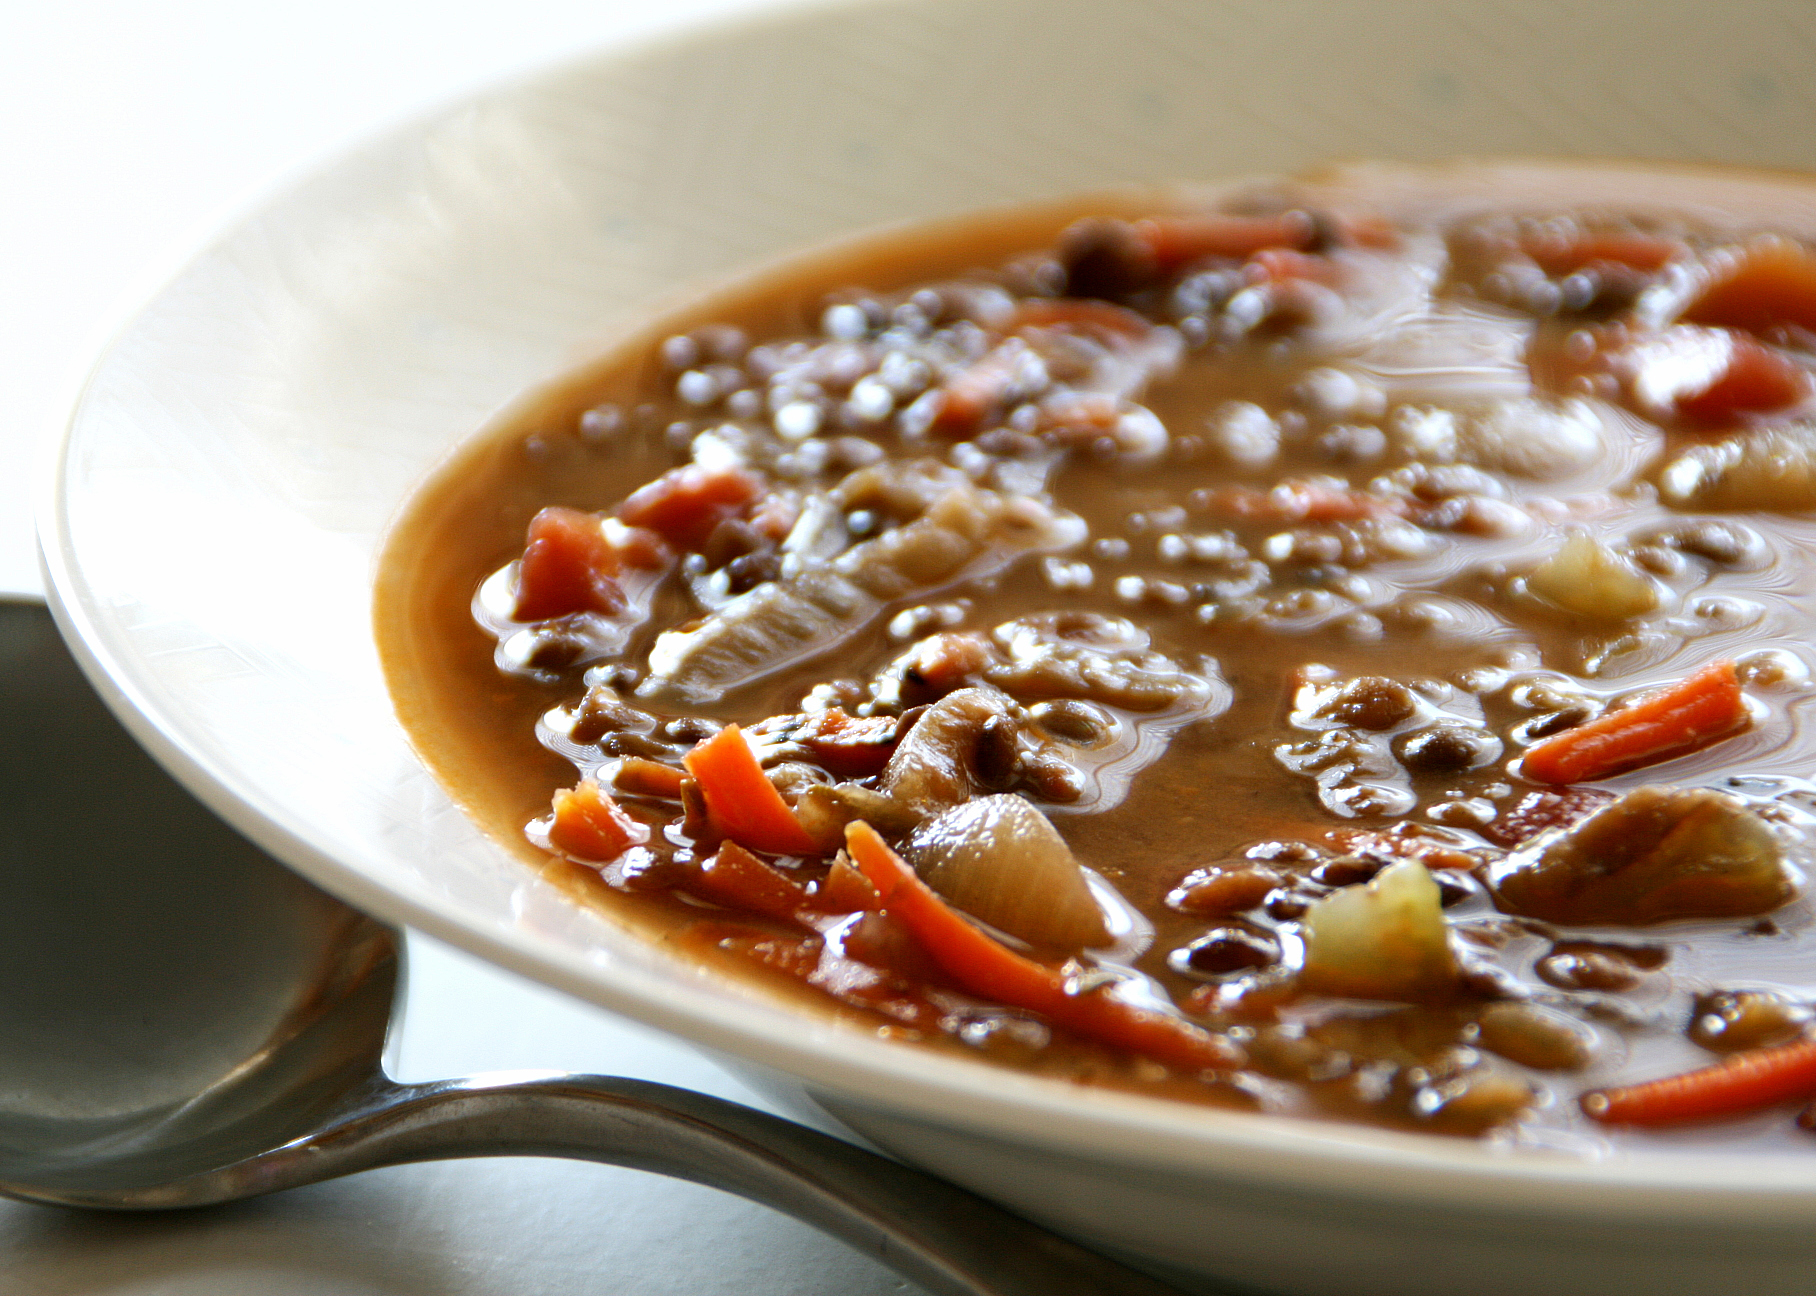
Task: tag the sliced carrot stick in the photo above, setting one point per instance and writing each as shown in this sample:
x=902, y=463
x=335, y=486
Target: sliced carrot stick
x=1560, y=255
x=1175, y=240
x=589, y=825
x=986, y=967
x=737, y=879
x=742, y=801
x=1679, y=718
x=1742, y=1083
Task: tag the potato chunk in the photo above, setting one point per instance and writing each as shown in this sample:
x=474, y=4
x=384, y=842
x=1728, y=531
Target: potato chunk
x=1769, y=469
x=1384, y=940
x=1657, y=853
x=1588, y=579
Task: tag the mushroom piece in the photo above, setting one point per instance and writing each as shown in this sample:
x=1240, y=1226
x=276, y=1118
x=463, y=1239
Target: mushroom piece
x=1654, y=854
x=1382, y=940
x=936, y=763
x=1000, y=860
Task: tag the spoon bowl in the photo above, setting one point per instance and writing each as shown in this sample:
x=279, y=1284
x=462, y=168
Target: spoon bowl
x=187, y=1022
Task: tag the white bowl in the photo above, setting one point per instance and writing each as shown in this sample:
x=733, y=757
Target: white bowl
x=243, y=443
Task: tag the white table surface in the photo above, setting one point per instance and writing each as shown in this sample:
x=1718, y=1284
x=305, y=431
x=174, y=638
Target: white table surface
x=128, y=128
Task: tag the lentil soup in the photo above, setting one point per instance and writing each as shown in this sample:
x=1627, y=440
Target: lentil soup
x=1334, y=647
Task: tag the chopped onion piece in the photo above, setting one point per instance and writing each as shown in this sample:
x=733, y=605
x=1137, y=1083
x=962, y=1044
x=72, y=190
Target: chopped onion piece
x=1000, y=860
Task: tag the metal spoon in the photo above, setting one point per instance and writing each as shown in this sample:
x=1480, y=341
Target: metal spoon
x=183, y=1021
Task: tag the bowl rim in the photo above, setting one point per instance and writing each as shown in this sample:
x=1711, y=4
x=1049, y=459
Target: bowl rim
x=1359, y=1161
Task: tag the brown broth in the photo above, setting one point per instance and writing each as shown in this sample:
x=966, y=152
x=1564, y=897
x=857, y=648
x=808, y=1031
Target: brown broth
x=1219, y=788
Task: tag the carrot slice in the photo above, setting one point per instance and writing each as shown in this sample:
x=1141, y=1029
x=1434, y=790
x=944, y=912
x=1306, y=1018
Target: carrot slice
x=1766, y=285
x=1742, y=1083
x=845, y=890
x=742, y=801
x=568, y=566
x=986, y=967
x=737, y=879
x=1679, y=718
x=589, y=825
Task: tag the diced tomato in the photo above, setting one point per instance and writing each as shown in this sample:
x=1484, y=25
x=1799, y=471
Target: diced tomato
x=1765, y=286
x=967, y=401
x=640, y=547
x=1433, y=852
x=686, y=503
x=1566, y=254
x=737, y=879
x=949, y=660
x=1757, y=380
x=568, y=566
x=589, y=825
x=884, y=941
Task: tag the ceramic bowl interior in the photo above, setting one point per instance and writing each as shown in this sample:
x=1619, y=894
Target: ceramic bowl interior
x=251, y=430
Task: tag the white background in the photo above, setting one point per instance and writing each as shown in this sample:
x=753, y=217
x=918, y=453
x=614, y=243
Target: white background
x=129, y=129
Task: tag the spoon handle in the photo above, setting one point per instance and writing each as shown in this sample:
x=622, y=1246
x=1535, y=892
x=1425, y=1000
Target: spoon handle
x=950, y=1241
